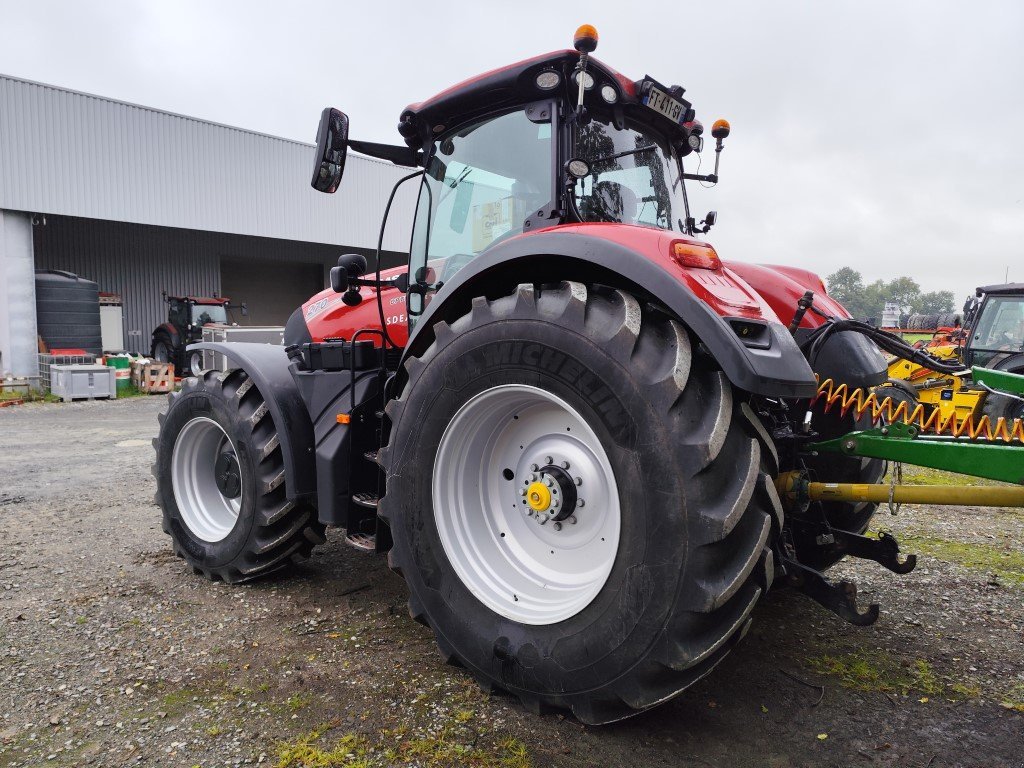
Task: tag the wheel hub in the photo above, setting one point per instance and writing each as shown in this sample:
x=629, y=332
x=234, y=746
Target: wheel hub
x=228, y=476
x=550, y=493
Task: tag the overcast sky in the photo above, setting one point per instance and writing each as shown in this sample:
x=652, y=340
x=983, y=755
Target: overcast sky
x=887, y=136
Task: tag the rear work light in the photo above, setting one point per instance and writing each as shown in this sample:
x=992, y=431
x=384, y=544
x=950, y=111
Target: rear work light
x=696, y=255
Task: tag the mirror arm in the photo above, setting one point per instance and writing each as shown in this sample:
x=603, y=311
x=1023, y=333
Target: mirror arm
x=412, y=158
x=401, y=282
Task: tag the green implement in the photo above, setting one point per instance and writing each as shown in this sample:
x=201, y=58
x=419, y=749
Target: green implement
x=999, y=380
x=902, y=442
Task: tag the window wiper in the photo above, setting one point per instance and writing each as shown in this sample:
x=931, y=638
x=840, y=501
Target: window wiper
x=455, y=182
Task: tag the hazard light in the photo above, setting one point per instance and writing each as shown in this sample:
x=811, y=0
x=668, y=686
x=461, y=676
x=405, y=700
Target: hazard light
x=585, y=39
x=694, y=255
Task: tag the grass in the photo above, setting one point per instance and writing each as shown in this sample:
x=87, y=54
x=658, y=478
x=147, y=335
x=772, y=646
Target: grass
x=1014, y=699
x=1001, y=559
x=865, y=671
x=298, y=701
x=31, y=396
x=926, y=476
x=392, y=747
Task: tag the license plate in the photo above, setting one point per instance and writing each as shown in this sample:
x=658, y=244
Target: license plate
x=661, y=102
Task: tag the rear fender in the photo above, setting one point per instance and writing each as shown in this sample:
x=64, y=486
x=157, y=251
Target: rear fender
x=268, y=367
x=768, y=362
x=171, y=331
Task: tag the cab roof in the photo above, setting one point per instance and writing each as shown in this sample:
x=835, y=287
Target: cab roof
x=507, y=87
x=202, y=299
x=1002, y=289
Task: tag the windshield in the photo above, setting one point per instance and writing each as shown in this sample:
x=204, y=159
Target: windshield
x=634, y=177
x=208, y=313
x=1001, y=327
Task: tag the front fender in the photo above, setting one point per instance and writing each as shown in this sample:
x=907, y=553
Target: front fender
x=769, y=364
x=267, y=366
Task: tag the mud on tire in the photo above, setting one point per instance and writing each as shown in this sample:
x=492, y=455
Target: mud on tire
x=269, y=530
x=699, y=512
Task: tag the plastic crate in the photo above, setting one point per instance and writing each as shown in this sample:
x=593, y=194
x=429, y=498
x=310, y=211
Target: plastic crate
x=83, y=382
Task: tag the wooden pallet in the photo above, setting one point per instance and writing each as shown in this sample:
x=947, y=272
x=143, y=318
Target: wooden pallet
x=153, y=378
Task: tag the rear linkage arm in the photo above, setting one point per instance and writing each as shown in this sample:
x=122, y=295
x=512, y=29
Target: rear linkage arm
x=839, y=598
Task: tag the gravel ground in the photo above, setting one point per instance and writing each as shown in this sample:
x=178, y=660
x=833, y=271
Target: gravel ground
x=113, y=653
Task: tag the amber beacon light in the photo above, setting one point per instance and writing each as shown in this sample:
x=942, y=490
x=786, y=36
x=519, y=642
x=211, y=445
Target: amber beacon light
x=585, y=39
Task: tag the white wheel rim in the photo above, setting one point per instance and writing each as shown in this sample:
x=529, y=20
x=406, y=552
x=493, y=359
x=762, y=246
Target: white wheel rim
x=520, y=569
x=196, y=363
x=208, y=513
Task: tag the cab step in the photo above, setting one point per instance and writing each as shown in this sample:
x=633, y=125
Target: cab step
x=364, y=542
x=368, y=500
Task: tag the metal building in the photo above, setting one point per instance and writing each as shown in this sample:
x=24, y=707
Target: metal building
x=144, y=201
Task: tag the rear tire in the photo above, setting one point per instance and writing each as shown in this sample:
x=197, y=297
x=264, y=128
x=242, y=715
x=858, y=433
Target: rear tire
x=998, y=406
x=689, y=495
x=220, y=482
x=163, y=349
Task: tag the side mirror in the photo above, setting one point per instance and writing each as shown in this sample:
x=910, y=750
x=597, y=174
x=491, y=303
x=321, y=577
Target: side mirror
x=331, y=146
x=354, y=264
x=245, y=310
x=350, y=266
x=709, y=221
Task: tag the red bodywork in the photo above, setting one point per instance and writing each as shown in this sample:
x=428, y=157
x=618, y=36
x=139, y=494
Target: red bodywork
x=750, y=291
x=328, y=318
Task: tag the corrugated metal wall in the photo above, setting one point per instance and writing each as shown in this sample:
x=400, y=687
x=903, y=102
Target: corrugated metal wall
x=63, y=152
x=139, y=262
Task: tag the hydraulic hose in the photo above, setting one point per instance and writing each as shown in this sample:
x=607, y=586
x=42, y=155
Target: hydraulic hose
x=889, y=342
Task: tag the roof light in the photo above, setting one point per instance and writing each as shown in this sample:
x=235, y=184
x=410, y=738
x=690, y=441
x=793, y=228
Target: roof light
x=547, y=80
x=720, y=129
x=694, y=255
x=609, y=94
x=585, y=39
x=588, y=79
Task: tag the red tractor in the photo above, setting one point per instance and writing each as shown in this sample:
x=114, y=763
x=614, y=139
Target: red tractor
x=563, y=420
x=186, y=318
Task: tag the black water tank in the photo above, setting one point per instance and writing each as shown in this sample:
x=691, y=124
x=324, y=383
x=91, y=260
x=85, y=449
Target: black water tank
x=68, y=311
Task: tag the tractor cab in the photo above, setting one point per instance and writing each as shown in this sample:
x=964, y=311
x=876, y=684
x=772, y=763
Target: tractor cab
x=556, y=139
x=193, y=312
x=995, y=316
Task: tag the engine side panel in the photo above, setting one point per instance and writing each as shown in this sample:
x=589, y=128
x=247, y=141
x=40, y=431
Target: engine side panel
x=327, y=317
x=845, y=357
x=782, y=286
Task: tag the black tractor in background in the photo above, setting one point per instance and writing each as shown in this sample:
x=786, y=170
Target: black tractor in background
x=186, y=317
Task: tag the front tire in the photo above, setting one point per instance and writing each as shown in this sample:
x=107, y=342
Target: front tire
x=675, y=479
x=220, y=482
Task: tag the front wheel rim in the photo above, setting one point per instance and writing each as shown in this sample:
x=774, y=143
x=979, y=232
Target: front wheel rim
x=206, y=479
x=491, y=492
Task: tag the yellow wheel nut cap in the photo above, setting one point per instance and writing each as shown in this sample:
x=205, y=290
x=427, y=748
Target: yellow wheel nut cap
x=538, y=496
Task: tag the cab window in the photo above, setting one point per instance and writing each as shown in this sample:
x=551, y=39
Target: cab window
x=1002, y=325
x=482, y=184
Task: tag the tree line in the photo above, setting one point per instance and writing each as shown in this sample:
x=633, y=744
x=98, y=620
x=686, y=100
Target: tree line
x=868, y=301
